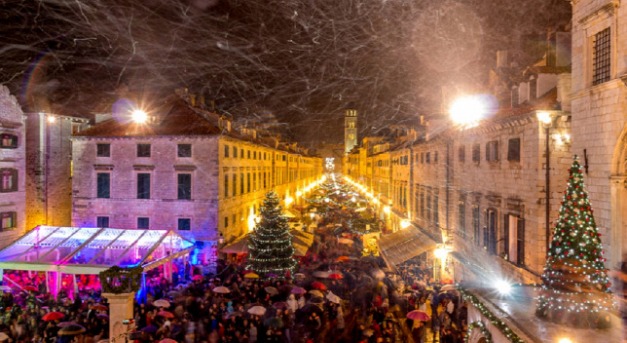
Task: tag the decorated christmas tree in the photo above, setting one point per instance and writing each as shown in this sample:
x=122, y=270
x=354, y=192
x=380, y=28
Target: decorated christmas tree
x=270, y=250
x=576, y=287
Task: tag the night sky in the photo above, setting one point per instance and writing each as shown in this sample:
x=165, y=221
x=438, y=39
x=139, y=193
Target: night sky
x=304, y=61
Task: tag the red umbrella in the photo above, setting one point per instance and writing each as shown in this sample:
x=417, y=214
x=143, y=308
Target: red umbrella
x=318, y=285
x=165, y=314
x=197, y=277
x=167, y=340
x=50, y=316
x=100, y=307
x=31, y=288
x=418, y=315
x=336, y=276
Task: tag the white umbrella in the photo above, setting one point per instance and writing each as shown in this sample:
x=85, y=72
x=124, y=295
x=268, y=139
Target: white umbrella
x=221, y=289
x=333, y=298
x=3, y=336
x=321, y=274
x=378, y=274
x=161, y=303
x=448, y=287
x=257, y=310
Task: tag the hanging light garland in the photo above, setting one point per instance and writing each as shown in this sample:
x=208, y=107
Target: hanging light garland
x=494, y=320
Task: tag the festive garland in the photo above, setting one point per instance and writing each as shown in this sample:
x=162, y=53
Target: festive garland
x=494, y=320
x=119, y=280
x=484, y=331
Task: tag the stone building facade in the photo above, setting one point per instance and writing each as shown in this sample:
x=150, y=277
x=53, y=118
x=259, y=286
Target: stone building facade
x=599, y=99
x=185, y=170
x=49, y=168
x=12, y=168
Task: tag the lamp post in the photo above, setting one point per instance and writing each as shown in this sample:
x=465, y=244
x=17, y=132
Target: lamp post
x=546, y=120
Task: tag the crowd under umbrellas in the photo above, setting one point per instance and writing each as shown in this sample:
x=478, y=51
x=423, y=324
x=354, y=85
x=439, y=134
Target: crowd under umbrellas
x=338, y=294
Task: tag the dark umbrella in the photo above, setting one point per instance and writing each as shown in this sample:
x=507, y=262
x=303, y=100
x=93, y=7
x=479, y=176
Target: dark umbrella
x=70, y=330
x=274, y=323
x=149, y=329
x=281, y=305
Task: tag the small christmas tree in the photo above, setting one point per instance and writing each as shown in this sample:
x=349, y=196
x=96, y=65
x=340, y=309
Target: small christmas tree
x=270, y=250
x=576, y=287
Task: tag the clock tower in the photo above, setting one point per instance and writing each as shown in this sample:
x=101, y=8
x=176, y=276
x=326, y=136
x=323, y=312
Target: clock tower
x=350, y=130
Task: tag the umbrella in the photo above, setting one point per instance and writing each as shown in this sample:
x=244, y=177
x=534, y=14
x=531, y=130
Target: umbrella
x=5, y=288
x=197, y=277
x=251, y=275
x=99, y=307
x=281, y=305
x=336, y=276
x=368, y=332
x=64, y=324
x=271, y=290
x=309, y=308
x=31, y=288
x=234, y=314
x=50, y=316
x=299, y=275
x=150, y=329
x=317, y=300
x=298, y=290
x=221, y=289
x=345, y=241
x=3, y=336
x=318, y=285
x=418, y=315
x=70, y=330
x=342, y=259
x=333, y=298
x=257, y=310
x=448, y=287
x=167, y=340
x=161, y=303
x=316, y=293
x=102, y=315
x=165, y=314
x=321, y=274
x=274, y=323
x=377, y=274
x=174, y=294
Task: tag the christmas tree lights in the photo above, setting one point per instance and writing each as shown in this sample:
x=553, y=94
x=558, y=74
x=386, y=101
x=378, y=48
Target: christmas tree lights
x=576, y=287
x=270, y=250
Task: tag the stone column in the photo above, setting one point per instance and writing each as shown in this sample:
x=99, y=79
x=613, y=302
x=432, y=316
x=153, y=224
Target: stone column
x=120, y=309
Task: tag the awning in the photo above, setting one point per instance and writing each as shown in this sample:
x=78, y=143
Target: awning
x=301, y=241
x=402, y=245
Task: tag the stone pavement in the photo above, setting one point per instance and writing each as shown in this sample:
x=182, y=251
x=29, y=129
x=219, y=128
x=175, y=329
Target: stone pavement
x=518, y=311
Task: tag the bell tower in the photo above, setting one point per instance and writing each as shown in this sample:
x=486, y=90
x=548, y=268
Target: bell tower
x=350, y=130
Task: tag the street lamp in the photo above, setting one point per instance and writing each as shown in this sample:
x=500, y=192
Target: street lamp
x=467, y=111
x=139, y=116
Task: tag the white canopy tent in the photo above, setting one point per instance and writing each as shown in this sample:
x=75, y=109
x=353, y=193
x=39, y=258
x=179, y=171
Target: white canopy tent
x=74, y=250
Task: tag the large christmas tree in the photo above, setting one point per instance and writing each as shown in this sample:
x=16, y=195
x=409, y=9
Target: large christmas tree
x=270, y=250
x=576, y=287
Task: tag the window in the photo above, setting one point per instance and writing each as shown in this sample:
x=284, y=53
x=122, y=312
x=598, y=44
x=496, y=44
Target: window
x=436, y=210
x=461, y=154
x=254, y=155
x=9, y=180
x=428, y=158
x=490, y=231
x=476, y=153
x=248, y=154
x=103, y=185
x=143, y=223
x=143, y=150
x=248, y=183
x=435, y=157
x=143, y=186
x=234, y=152
x=513, y=150
x=8, y=220
x=102, y=221
x=184, y=150
x=8, y=141
x=241, y=183
x=476, y=225
x=461, y=219
x=226, y=185
x=226, y=222
x=515, y=239
x=241, y=153
x=492, y=151
x=184, y=224
x=601, y=57
x=103, y=150
x=234, y=184
x=185, y=186
x=226, y=151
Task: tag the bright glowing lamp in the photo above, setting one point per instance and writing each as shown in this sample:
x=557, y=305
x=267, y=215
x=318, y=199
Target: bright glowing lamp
x=52, y=119
x=386, y=209
x=503, y=287
x=565, y=340
x=288, y=201
x=139, y=116
x=440, y=253
x=404, y=224
x=468, y=110
x=544, y=117
x=299, y=194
